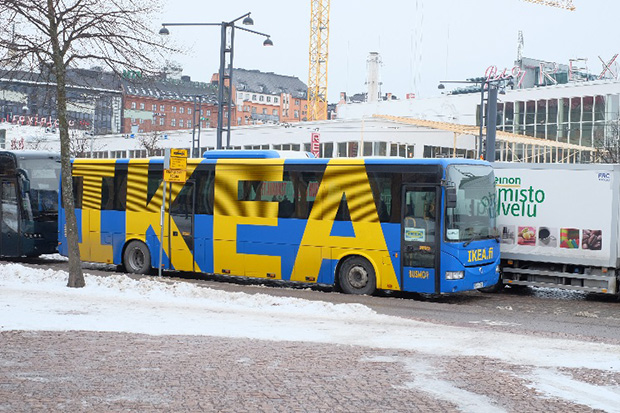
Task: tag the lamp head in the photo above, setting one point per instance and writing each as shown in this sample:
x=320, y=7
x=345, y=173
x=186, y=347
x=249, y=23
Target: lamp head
x=164, y=31
x=267, y=42
x=441, y=86
x=248, y=21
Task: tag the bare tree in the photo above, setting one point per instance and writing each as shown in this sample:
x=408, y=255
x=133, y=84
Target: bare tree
x=150, y=142
x=37, y=143
x=81, y=144
x=60, y=34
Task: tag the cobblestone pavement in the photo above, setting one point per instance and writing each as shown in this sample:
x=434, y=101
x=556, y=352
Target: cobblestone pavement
x=94, y=371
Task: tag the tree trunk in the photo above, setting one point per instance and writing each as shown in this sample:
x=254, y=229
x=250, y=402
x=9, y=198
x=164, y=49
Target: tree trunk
x=76, y=277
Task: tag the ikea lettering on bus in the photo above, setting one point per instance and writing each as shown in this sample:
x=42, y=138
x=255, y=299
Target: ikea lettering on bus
x=329, y=221
x=481, y=254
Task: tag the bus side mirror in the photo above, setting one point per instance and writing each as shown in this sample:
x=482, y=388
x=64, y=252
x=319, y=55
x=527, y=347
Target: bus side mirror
x=25, y=181
x=450, y=197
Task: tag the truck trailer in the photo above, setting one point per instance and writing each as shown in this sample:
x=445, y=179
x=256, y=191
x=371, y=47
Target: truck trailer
x=558, y=225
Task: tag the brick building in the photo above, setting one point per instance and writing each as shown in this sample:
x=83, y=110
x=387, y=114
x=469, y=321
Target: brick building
x=262, y=97
x=168, y=104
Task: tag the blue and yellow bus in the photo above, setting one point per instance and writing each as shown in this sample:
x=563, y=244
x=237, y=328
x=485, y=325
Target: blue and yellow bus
x=423, y=225
x=28, y=202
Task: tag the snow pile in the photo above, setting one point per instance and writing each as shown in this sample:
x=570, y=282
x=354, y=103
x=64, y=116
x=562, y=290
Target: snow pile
x=33, y=299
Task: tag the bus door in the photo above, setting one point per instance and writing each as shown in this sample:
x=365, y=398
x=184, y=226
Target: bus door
x=9, y=216
x=181, y=228
x=420, y=238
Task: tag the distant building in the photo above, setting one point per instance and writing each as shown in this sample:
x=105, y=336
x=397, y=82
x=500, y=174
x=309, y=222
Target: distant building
x=167, y=104
x=266, y=97
x=94, y=100
x=560, y=105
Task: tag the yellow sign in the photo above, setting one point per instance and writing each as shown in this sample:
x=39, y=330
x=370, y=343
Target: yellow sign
x=178, y=153
x=178, y=163
x=174, y=175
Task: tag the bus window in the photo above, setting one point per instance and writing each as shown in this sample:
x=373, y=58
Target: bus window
x=114, y=192
x=385, y=191
x=204, y=191
x=9, y=206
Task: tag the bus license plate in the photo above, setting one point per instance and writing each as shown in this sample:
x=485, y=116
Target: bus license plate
x=478, y=285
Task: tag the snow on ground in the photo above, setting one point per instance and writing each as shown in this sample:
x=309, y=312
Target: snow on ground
x=32, y=299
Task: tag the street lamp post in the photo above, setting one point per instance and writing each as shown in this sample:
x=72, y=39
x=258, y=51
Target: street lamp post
x=226, y=49
x=492, y=87
x=196, y=114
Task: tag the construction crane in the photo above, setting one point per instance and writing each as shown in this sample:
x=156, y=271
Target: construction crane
x=562, y=4
x=317, y=76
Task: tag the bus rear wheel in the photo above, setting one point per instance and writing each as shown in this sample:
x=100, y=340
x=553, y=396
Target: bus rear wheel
x=357, y=276
x=137, y=258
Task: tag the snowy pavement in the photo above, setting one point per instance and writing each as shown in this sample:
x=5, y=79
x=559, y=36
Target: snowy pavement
x=433, y=360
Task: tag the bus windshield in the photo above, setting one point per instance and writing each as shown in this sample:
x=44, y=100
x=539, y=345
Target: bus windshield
x=43, y=175
x=474, y=216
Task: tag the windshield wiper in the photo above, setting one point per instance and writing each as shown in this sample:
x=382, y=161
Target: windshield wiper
x=474, y=238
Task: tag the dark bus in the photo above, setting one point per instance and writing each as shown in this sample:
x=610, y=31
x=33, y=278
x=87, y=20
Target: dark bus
x=29, y=182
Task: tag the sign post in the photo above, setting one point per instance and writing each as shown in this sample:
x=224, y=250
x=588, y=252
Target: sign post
x=175, y=170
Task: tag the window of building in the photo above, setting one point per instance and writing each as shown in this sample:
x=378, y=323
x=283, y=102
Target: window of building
x=268, y=98
x=275, y=112
x=261, y=98
x=296, y=114
x=180, y=123
x=173, y=122
x=162, y=107
x=154, y=108
x=174, y=109
x=253, y=97
x=264, y=111
x=141, y=105
x=189, y=111
x=208, y=112
x=275, y=100
x=162, y=121
x=297, y=102
x=133, y=105
x=189, y=123
x=182, y=109
x=141, y=121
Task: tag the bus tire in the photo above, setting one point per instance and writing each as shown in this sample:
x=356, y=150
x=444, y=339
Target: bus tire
x=357, y=276
x=137, y=258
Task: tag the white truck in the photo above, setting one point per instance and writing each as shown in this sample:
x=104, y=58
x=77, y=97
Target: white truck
x=559, y=225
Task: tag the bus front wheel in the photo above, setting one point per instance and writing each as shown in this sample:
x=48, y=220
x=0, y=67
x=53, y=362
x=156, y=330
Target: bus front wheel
x=137, y=258
x=357, y=276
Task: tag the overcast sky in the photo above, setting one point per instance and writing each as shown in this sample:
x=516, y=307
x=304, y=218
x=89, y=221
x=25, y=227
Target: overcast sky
x=420, y=41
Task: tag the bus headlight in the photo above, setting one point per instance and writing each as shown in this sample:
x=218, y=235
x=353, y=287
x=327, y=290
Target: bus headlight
x=454, y=275
x=497, y=270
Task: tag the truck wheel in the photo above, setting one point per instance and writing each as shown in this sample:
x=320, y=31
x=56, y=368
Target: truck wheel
x=137, y=258
x=357, y=276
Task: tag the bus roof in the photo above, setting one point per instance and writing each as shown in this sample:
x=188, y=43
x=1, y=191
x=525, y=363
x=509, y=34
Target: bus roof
x=31, y=154
x=256, y=154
